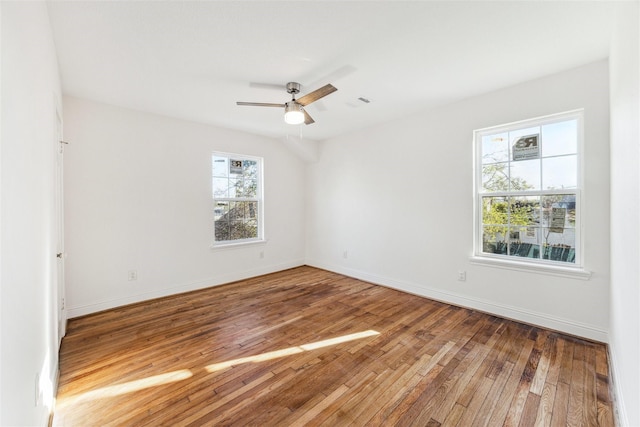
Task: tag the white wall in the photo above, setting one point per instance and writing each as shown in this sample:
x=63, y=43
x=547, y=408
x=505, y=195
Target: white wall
x=398, y=198
x=625, y=212
x=30, y=92
x=138, y=197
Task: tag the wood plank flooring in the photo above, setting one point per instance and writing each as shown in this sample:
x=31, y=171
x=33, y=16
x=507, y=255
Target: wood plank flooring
x=310, y=347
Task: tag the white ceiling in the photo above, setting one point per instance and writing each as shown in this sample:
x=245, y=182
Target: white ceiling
x=194, y=60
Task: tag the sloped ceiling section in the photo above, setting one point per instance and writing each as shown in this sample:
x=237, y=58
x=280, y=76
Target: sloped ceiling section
x=194, y=60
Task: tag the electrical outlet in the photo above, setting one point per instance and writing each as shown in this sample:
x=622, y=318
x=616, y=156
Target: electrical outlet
x=132, y=275
x=261, y=254
x=462, y=275
x=345, y=254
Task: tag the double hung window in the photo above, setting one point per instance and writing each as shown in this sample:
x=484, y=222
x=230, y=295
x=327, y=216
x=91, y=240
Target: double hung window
x=527, y=186
x=237, y=198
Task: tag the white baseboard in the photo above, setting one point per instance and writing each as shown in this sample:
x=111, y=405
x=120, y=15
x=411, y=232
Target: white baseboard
x=510, y=312
x=95, y=307
x=506, y=311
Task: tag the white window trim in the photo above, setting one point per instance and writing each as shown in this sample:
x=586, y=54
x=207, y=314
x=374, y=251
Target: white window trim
x=239, y=243
x=531, y=267
x=549, y=267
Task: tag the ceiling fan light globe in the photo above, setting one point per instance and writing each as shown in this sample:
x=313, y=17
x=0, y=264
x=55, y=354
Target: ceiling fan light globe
x=294, y=118
x=293, y=114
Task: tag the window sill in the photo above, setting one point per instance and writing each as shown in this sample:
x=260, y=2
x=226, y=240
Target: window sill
x=551, y=270
x=238, y=245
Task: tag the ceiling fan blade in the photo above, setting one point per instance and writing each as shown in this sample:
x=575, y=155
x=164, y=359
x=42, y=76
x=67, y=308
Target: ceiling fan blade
x=316, y=94
x=260, y=104
x=307, y=118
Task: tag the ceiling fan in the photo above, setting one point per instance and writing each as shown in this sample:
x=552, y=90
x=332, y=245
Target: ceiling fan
x=294, y=112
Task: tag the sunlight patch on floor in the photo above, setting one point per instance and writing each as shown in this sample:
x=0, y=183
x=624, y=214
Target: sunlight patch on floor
x=291, y=350
x=128, y=387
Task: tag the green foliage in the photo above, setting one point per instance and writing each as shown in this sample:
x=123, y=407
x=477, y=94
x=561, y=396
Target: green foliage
x=500, y=212
x=495, y=178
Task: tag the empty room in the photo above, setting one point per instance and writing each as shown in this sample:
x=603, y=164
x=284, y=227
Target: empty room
x=337, y=213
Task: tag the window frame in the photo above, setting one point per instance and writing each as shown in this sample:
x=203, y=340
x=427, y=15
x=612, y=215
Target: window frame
x=259, y=199
x=575, y=269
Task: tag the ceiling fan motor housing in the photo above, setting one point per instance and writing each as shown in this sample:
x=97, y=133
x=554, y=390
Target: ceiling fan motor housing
x=293, y=88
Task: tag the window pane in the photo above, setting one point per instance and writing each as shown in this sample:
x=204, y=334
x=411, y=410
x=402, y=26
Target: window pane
x=234, y=185
x=559, y=211
x=523, y=242
x=251, y=229
x=221, y=230
x=239, y=188
x=559, y=246
x=560, y=138
x=524, y=210
x=531, y=235
x=236, y=211
x=515, y=135
x=494, y=239
x=235, y=167
x=220, y=211
x=250, y=169
x=495, y=210
x=220, y=166
x=495, y=148
x=495, y=177
x=220, y=187
x=525, y=175
x=236, y=230
x=560, y=172
x=250, y=188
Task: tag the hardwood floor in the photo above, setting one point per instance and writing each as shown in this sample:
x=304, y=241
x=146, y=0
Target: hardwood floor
x=311, y=347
